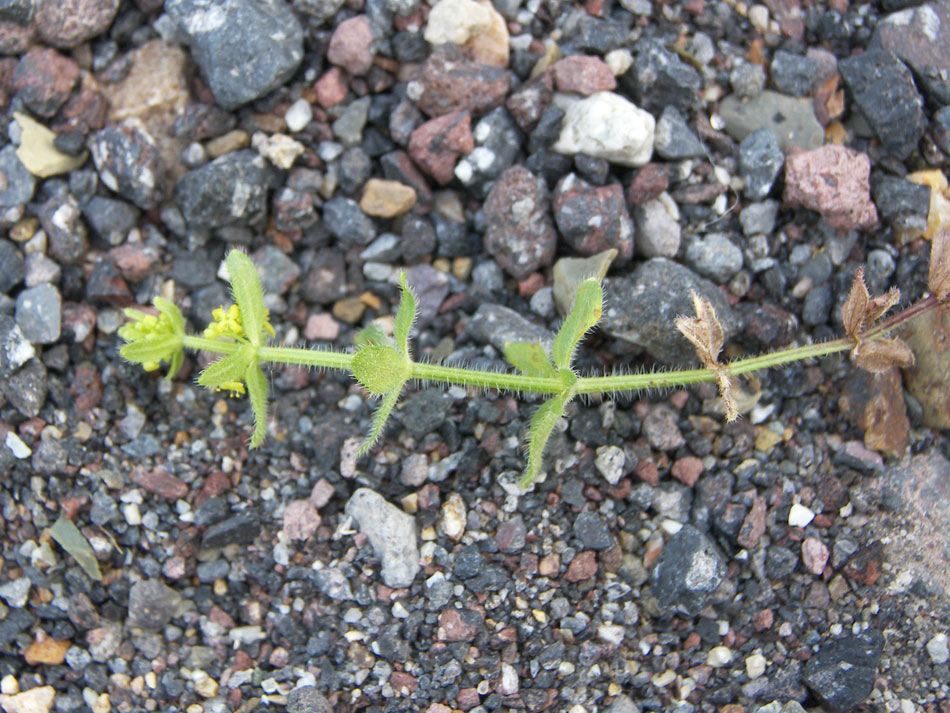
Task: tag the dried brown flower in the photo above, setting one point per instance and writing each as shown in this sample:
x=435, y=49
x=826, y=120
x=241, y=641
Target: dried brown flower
x=705, y=334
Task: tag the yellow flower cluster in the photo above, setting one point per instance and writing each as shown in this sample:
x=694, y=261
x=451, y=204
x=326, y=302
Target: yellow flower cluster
x=227, y=323
x=145, y=328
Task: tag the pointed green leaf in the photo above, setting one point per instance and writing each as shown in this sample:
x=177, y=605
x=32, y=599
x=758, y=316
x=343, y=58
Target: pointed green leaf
x=246, y=286
x=170, y=310
x=159, y=348
x=529, y=358
x=257, y=394
x=68, y=536
x=371, y=335
x=227, y=370
x=379, y=420
x=542, y=424
x=175, y=366
x=379, y=368
x=588, y=305
x=405, y=316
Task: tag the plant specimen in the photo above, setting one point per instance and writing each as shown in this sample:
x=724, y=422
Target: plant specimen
x=383, y=364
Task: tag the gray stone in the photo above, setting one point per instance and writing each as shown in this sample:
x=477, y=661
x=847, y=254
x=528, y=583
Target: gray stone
x=65, y=231
x=841, y=674
x=129, y=163
x=15, y=349
x=347, y=222
x=715, y=257
x=110, y=219
x=657, y=228
x=792, y=119
x=905, y=206
x=16, y=183
x=12, y=266
x=307, y=699
x=497, y=325
x=424, y=412
x=231, y=189
x=688, y=571
x=747, y=80
x=152, y=604
x=348, y=128
x=16, y=592
x=245, y=48
x=39, y=314
x=758, y=218
x=884, y=92
x=592, y=531
x=919, y=36
x=392, y=534
x=26, y=389
x=760, y=161
x=497, y=143
x=240, y=529
x=673, y=139
x=793, y=73
x=277, y=271
x=659, y=78
x=643, y=308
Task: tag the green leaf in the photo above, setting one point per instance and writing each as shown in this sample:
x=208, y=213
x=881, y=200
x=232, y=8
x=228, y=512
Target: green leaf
x=379, y=368
x=542, y=424
x=228, y=370
x=246, y=286
x=257, y=394
x=175, y=366
x=170, y=310
x=405, y=316
x=71, y=539
x=372, y=334
x=529, y=358
x=379, y=420
x=159, y=348
x=588, y=306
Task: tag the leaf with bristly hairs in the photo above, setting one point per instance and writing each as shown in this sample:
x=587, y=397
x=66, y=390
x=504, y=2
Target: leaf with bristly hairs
x=586, y=312
x=529, y=358
x=246, y=286
x=257, y=395
x=542, y=424
x=380, y=368
x=379, y=420
x=228, y=370
x=405, y=316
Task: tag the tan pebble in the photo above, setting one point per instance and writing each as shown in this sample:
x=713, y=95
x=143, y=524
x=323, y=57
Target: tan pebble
x=226, y=143
x=47, y=652
x=349, y=310
x=386, y=199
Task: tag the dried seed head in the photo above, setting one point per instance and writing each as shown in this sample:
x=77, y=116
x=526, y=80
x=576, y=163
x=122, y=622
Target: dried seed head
x=881, y=354
x=703, y=331
x=855, y=308
x=938, y=280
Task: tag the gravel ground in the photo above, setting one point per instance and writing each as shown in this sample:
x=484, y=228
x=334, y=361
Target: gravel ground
x=797, y=558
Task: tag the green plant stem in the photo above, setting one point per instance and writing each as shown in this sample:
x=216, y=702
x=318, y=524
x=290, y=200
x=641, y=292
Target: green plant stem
x=507, y=381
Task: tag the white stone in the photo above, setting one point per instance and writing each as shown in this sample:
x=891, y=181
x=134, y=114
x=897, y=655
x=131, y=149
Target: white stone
x=799, y=516
x=17, y=447
x=456, y=22
x=452, y=523
x=36, y=700
x=759, y=17
x=298, y=115
x=16, y=592
x=755, y=666
x=609, y=462
x=619, y=61
x=508, y=685
x=938, y=650
x=658, y=229
x=607, y=126
x=279, y=149
x=719, y=656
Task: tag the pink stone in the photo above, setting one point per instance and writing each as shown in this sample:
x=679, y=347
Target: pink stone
x=321, y=327
x=753, y=527
x=301, y=520
x=583, y=74
x=351, y=46
x=583, y=566
x=687, y=470
x=321, y=493
x=814, y=555
x=832, y=180
x=331, y=88
x=435, y=146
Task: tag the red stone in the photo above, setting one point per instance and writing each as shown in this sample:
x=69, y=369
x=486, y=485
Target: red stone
x=44, y=79
x=450, y=82
x=403, y=683
x=351, y=45
x=583, y=566
x=648, y=183
x=160, y=482
x=834, y=181
x=583, y=74
x=814, y=555
x=456, y=625
x=687, y=470
x=331, y=88
x=436, y=145
x=753, y=527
